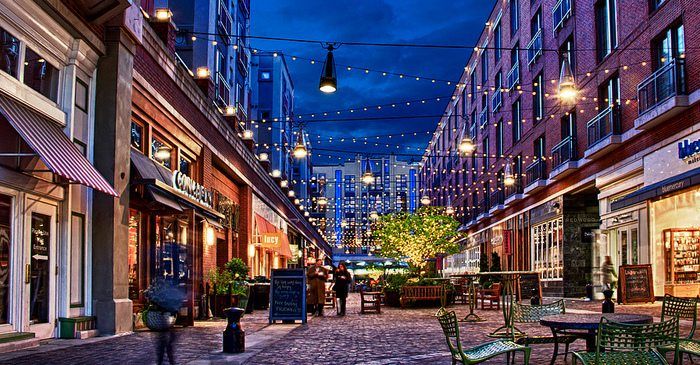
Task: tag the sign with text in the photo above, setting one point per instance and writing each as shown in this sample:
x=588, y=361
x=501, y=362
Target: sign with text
x=673, y=159
x=192, y=189
x=288, y=295
x=529, y=285
x=636, y=285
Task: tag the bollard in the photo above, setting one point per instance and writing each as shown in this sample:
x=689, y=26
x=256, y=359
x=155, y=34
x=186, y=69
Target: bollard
x=589, y=291
x=608, y=305
x=234, y=336
x=535, y=298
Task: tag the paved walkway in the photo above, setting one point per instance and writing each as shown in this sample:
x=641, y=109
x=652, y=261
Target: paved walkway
x=410, y=336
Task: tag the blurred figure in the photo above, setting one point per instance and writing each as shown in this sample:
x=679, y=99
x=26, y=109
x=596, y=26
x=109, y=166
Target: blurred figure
x=342, y=280
x=165, y=297
x=608, y=272
x=317, y=276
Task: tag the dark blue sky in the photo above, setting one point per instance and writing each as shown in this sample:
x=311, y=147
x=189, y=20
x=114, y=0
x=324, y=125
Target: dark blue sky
x=384, y=21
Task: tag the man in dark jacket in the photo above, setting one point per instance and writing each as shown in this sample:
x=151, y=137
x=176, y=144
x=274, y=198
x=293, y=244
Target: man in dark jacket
x=316, y=276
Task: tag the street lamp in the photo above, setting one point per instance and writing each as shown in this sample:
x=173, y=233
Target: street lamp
x=300, y=148
x=329, y=80
x=567, y=83
x=368, y=176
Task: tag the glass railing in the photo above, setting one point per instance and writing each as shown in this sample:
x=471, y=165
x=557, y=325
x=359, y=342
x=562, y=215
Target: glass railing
x=603, y=125
x=663, y=84
x=536, y=171
x=497, y=99
x=514, y=76
x=560, y=12
x=564, y=151
x=484, y=117
x=534, y=48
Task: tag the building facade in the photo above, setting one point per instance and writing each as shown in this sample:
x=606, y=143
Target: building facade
x=580, y=167
x=348, y=205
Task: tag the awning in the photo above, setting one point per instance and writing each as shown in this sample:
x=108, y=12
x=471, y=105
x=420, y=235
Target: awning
x=661, y=188
x=273, y=238
x=54, y=148
x=165, y=200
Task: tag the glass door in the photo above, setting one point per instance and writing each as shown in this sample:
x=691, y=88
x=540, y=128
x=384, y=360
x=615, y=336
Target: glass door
x=40, y=267
x=628, y=245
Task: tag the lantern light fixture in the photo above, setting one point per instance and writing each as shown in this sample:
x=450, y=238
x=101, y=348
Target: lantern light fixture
x=367, y=175
x=300, y=150
x=567, y=83
x=163, y=14
x=508, y=178
x=329, y=79
x=425, y=200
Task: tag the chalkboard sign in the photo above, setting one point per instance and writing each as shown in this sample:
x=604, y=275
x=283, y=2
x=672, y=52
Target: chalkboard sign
x=636, y=285
x=288, y=295
x=528, y=282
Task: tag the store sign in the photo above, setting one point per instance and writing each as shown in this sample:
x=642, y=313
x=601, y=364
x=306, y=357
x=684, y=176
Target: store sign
x=192, y=189
x=689, y=151
x=673, y=159
x=270, y=240
x=507, y=245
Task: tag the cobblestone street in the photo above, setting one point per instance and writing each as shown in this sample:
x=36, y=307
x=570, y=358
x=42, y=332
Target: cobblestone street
x=409, y=336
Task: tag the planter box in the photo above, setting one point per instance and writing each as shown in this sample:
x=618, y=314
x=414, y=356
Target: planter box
x=392, y=298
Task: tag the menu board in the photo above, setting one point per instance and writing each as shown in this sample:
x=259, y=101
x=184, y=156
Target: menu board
x=288, y=295
x=528, y=282
x=636, y=284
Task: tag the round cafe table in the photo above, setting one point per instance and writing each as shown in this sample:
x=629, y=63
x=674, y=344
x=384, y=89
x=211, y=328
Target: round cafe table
x=586, y=325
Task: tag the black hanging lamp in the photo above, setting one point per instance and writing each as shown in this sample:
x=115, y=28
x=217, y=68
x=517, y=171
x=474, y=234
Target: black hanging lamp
x=329, y=79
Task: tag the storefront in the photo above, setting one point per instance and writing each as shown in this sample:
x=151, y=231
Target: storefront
x=269, y=248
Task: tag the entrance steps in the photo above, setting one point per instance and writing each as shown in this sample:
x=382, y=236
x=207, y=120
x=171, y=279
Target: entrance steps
x=13, y=341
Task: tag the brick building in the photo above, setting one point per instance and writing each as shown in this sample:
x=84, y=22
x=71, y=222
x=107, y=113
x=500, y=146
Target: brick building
x=591, y=176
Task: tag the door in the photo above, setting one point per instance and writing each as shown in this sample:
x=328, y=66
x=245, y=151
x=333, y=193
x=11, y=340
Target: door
x=628, y=245
x=40, y=268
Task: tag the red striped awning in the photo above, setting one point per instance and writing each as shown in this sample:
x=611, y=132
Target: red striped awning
x=54, y=148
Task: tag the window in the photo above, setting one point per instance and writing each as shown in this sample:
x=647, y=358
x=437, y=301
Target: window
x=472, y=82
x=517, y=120
x=547, y=255
x=536, y=22
x=539, y=147
x=40, y=75
x=655, y=4
x=474, y=167
x=264, y=75
x=486, y=153
x=81, y=95
x=6, y=218
x=77, y=260
x=137, y=136
x=514, y=17
x=566, y=51
x=606, y=27
x=670, y=45
x=609, y=93
x=518, y=170
x=537, y=98
x=133, y=253
x=9, y=53
x=185, y=166
x=497, y=42
x=568, y=124
x=499, y=138
x=157, y=144
x=484, y=67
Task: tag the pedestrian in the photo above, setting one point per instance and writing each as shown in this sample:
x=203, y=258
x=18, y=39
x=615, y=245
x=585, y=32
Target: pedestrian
x=317, y=275
x=608, y=272
x=342, y=280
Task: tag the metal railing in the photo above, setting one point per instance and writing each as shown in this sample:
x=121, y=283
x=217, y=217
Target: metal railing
x=484, y=116
x=536, y=171
x=472, y=131
x=477, y=209
x=497, y=98
x=513, y=76
x=663, y=84
x=603, y=125
x=564, y=151
x=516, y=188
x=534, y=48
x=561, y=11
x=497, y=198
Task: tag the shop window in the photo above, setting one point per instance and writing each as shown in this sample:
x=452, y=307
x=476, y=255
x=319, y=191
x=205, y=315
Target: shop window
x=5, y=259
x=164, y=159
x=606, y=27
x=133, y=253
x=137, y=136
x=40, y=75
x=514, y=14
x=77, y=260
x=185, y=166
x=538, y=98
x=40, y=269
x=9, y=53
x=547, y=242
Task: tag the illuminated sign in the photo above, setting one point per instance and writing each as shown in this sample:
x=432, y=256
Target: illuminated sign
x=192, y=189
x=689, y=151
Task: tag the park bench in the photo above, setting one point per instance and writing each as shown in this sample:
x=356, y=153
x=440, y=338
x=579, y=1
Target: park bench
x=479, y=353
x=620, y=343
x=523, y=313
x=415, y=293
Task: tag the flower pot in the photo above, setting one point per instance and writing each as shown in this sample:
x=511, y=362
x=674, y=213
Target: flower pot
x=157, y=320
x=392, y=298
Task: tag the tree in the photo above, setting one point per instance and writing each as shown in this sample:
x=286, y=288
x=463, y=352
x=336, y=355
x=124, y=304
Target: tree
x=417, y=237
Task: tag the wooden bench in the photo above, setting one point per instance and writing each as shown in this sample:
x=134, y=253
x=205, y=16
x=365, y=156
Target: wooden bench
x=411, y=293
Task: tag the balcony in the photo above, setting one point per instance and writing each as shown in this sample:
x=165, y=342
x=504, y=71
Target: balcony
x=561, y=11
x=484, y=117
x=534, y=48
x=497, y=201
x=514, y=192
x=223, y=91
x=497, y=99
x=662, y=95
x=513, y=76
x=564, y=159
x=472, y=131
x=603, y=132
x=536, y=176
x=243, y=58
x=482, y=210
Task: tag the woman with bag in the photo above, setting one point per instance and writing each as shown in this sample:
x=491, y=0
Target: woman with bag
x=342, y=281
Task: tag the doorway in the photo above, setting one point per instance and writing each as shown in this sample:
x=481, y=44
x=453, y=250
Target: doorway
x=40, y=267
x=624, y=245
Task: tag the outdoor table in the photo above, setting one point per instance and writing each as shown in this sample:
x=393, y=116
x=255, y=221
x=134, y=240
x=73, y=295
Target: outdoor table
x=509, y=280
x=471, y=293
x=589, y=323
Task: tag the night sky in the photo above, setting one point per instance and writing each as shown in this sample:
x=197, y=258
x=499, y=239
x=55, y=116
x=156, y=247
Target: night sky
x=377, y=21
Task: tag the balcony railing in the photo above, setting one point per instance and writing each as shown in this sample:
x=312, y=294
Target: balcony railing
x=223, y=90
x=484, y=117
x=513, y=76
x=484, y=205
x=477, y=209
x=242, y=58
x=536, y=171
x=564, y=152
x=497, y=98
x=603, y=125
x=472, y=131
x=561, y=11
x=534, y=48
x=663, y=84
x=497, y=198
x=516, y=188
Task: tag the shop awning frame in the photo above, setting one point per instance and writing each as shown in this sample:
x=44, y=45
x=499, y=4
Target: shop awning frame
x=54, y=148
x=683, y=181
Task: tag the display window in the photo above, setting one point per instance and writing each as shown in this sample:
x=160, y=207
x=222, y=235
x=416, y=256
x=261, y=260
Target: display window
x=5, y=249
x=547, y=242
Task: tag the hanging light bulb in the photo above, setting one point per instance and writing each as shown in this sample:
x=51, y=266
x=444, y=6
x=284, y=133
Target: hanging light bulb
x=291, y=193
x=567, y=83
x=368, y=176
x=466, y=145
x=329, y=81
x=300, y=148
x=449, y=209
x=162, y=153
x=373, y=215
x=322, y=200
x=508, y=178
x=425, y=200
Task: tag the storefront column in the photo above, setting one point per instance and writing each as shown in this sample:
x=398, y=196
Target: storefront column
x=110, y=283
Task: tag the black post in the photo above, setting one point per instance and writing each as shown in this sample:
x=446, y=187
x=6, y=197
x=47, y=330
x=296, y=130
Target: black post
x=234, y=336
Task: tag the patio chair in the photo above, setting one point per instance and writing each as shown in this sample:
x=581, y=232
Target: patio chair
x=461, y=294
x=683, y=308
x=492, y=294
x=522, y=313
x=631, y=343
x=479, y=353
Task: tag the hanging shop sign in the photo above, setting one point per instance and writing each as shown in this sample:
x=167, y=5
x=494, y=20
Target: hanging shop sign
x=507, y=245
x=192, y=189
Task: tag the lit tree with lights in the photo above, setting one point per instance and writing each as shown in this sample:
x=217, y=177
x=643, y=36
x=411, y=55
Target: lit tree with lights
x=417, y=237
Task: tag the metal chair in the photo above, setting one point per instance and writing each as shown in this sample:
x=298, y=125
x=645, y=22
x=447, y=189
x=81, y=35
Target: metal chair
x=683, y=308
x=479, y=353
x=620, y=343
x=532, y=314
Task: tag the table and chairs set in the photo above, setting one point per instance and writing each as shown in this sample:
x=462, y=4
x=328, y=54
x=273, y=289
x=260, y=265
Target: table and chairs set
x=611, y=338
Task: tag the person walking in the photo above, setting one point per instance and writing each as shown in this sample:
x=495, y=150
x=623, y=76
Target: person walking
x=342, y=280
x=316, y=276
x=608, y=272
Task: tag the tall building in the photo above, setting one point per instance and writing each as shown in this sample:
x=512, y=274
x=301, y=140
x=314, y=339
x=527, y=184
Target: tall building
x=272, y=108
x=609, y=172
x=347, y=205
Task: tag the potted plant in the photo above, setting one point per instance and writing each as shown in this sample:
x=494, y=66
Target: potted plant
x=392, y=289
x=221, y=282
x=163, y=301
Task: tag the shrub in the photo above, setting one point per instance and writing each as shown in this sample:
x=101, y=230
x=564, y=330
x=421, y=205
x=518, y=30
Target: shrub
x=237, y=268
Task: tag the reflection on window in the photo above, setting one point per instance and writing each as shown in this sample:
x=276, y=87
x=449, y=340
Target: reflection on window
x=5, y=248
x=137, y=136
x=158, y=153
x=185, y=166
x=40, y=75
x=547, y=240
x=9, y=53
